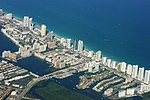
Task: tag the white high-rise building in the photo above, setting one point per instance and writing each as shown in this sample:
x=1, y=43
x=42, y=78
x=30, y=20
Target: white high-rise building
x=90, y=67
x=108, y=62
x=30, y=24
x=43, y=30
x=141, y=74
x=8, y=16
x=97, y=66
x=123, y=67
x=26, y=21
x=75, y=45
x=104, y=60
x=90, y=54
x=98, y=55
x=63, y=41
x=142, y=87
x=80, y=46
x=134, y=71
x=129, y=69
x=113, y=64
x=68, y=44
x=147, y=76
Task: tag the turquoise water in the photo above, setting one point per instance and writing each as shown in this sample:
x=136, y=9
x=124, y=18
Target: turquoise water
x=120, y=28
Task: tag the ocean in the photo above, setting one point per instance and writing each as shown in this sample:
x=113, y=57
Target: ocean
x=119, y=28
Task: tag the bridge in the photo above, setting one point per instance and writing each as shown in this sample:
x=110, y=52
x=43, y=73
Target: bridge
x=44, y=77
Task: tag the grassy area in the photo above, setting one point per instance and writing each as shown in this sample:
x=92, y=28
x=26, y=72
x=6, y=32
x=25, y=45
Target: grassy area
x=146, y=96
x=55, y=91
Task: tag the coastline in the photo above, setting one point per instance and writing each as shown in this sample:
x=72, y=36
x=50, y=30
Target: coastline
x=87, y=47
x=16, y=43
x=37, y=25
x=59, y=35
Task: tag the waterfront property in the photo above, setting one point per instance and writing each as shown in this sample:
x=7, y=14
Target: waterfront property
x=70, y=57
x=55, y=91
x=13, y=79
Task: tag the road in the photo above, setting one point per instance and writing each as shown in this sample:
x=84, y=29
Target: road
x=29, y=86
x=36, y=80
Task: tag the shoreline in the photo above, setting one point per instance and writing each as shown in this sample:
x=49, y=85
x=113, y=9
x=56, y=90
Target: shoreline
x=87, y=48
x=17, y=43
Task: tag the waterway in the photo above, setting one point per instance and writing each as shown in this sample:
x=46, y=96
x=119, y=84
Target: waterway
x=70, y=83
x=40, y=67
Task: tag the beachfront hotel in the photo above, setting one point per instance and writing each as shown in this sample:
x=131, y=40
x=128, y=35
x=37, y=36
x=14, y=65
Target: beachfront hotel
x=43, y=30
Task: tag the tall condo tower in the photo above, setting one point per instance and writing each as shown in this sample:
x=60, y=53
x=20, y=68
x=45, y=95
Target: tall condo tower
x=113, y=64
x=68, y=45
x=104, y=60
x=80, y=46
x=141, y=74
x=134, y=71
x=147, y=76
x=43, y=30
x=75, y=45
x=26, y=21
x=129, y=69
x=108, y=62
x=98, y=55
x=123, y=66
x=30, y=25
